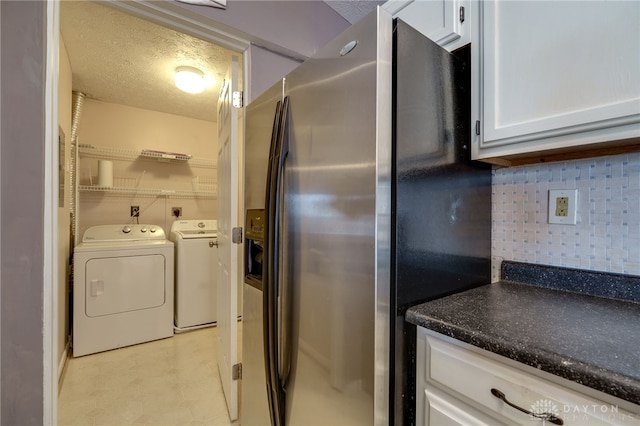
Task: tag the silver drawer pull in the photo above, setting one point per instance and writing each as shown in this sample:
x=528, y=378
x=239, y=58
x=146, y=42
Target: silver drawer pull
x=544, y=416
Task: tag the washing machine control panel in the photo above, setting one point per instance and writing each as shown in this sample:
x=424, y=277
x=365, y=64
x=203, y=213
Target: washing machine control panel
x=187, y=229
x=133, y=232
x=194, y=225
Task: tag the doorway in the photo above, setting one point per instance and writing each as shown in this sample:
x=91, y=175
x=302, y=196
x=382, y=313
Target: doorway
x=122, y=82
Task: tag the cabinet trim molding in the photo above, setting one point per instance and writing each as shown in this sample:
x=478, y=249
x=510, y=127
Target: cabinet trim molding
x=515, y=137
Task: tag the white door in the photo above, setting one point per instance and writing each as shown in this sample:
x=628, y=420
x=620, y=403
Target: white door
x=228, y=172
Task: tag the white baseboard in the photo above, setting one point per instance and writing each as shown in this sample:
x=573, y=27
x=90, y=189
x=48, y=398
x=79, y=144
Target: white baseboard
x=63, y=360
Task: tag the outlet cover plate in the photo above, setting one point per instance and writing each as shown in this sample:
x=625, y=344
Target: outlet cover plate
x=556, y=210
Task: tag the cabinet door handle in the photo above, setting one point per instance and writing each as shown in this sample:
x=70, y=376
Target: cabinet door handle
x=544, y=416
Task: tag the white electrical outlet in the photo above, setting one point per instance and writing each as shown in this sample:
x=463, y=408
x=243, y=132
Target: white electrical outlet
x=563, y=206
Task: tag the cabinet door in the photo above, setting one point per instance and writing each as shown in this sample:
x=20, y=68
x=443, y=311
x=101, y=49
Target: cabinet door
x=557, y=74
x=443, y=21
x=440, y=409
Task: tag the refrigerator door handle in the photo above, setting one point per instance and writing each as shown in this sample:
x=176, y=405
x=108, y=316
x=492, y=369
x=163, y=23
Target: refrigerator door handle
x=271, y=290
x=269, y=271
x=275, y=242
x=284, y=301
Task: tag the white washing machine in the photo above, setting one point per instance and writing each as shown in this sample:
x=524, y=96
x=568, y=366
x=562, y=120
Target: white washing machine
x=123, y=287
x=196, y=264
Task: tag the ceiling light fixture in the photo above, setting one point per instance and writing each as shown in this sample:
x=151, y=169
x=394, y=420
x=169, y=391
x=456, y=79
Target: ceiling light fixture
x=190, y=79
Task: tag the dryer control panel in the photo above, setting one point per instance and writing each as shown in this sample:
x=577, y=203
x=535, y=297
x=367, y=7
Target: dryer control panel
x=127, y=232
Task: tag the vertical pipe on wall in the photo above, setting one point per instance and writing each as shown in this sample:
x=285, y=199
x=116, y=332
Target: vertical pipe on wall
x=78, y=102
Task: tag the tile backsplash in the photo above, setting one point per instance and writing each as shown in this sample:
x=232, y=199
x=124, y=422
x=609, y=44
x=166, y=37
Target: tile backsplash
x=607, y=234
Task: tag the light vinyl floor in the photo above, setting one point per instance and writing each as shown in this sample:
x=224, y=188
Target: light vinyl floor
x=173, y=381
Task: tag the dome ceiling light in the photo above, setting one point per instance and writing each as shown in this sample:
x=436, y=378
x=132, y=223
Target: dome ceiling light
x=190, y=79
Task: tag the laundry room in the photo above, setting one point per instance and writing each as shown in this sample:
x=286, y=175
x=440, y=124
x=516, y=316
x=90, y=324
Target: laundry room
x=147, y=151
x=138, y=164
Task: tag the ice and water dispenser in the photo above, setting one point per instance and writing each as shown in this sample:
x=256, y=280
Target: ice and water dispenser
x=254, y=240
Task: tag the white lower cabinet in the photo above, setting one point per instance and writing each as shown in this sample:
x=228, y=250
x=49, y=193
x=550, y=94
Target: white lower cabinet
x=459, y=384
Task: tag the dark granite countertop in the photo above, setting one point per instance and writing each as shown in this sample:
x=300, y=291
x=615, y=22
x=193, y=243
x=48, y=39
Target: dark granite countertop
x=591, y=340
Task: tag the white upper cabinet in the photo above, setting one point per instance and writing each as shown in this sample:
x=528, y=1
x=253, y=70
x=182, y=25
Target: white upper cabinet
x=556, y=76
x=443, y=21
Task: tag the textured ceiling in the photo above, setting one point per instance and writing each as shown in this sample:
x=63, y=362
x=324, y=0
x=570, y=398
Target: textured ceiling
x=122, y=59
x=353, y=10
x=118, y=58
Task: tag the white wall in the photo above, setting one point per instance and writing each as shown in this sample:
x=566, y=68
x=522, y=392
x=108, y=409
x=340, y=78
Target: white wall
x=110, y=125
x=298, y=27
x=266, y=69
x=607, y=235
x=22, y=159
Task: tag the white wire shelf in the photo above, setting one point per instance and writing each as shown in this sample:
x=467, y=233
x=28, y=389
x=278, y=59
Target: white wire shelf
x=113, y=153
x=164, y=156
x=147, y=192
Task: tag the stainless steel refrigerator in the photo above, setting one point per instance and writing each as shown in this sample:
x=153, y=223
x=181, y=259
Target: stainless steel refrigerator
x=361, y=201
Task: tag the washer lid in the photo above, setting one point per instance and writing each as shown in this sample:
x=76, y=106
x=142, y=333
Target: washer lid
x=195, y=234
x=123, y=233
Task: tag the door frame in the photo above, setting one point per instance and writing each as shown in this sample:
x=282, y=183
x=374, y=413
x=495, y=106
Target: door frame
x=162, y=13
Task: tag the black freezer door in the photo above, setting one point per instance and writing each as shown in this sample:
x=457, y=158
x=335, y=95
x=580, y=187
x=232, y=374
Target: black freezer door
x=442, y=199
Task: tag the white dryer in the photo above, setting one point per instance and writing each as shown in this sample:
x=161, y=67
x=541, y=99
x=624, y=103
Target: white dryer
x=196, y=277
x=123, y=287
